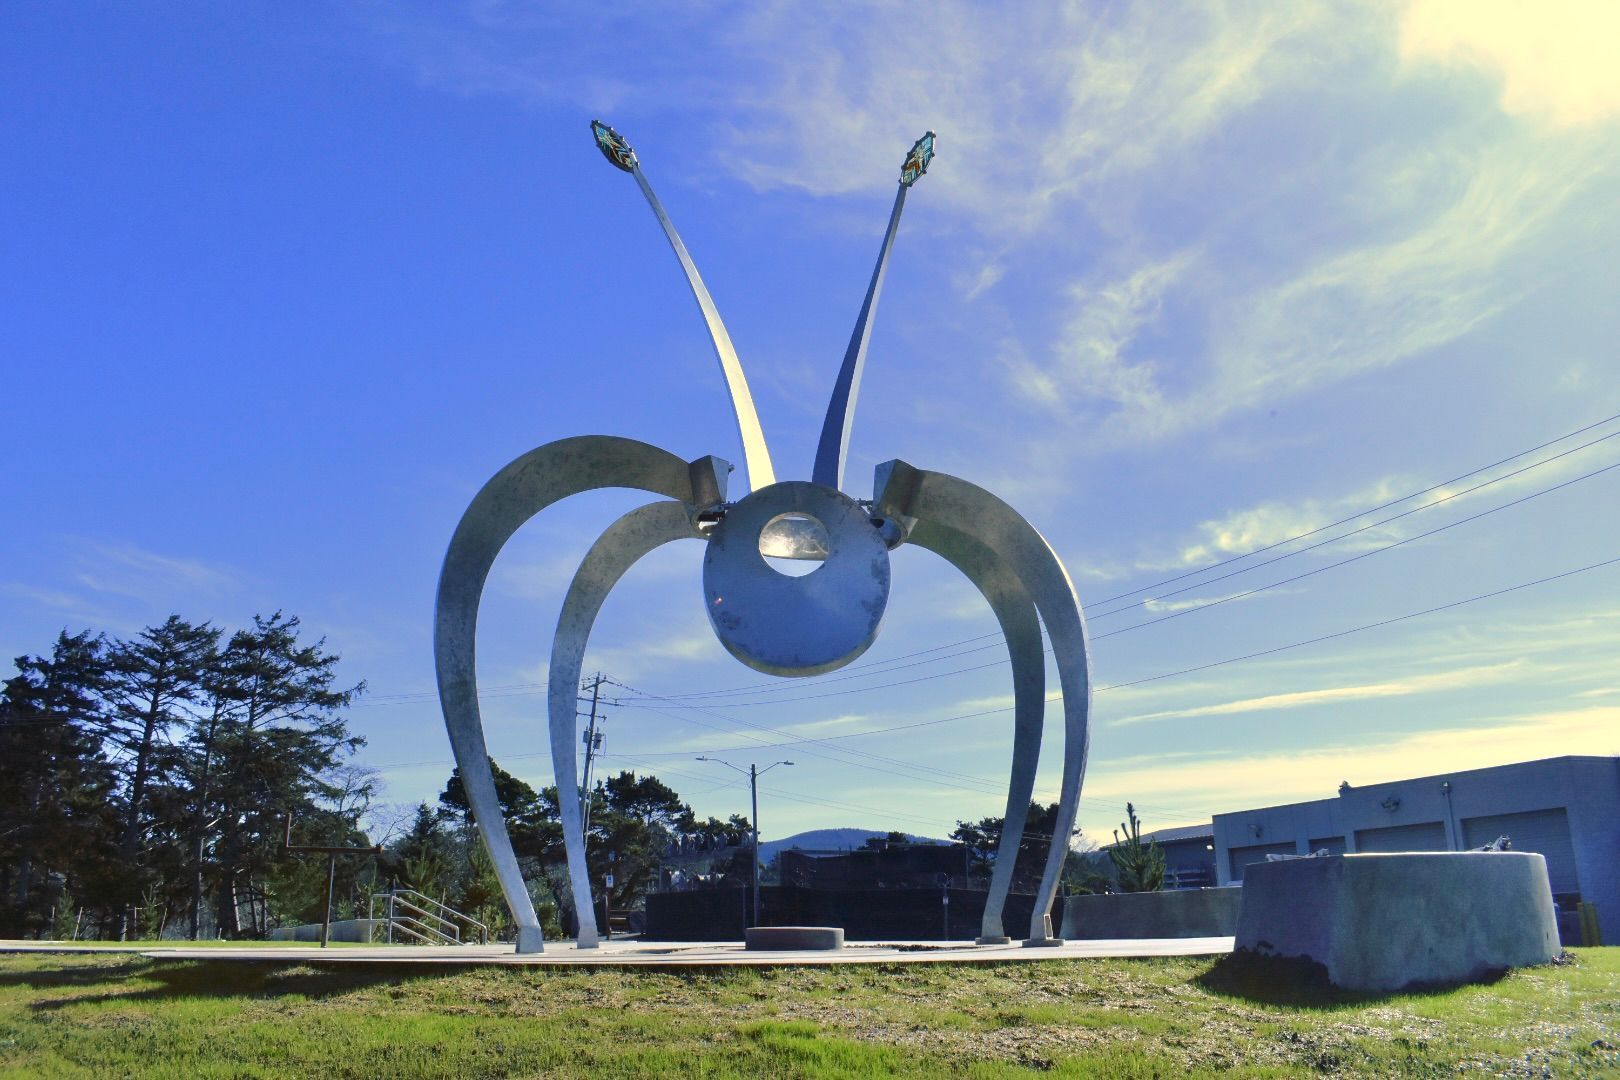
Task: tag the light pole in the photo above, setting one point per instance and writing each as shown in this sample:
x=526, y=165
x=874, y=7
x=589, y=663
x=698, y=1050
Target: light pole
x=753, y=772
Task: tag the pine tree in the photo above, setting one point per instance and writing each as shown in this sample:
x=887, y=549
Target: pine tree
x=1140, y=866
x=57, y=824
x=151, y=683
x=264, y=746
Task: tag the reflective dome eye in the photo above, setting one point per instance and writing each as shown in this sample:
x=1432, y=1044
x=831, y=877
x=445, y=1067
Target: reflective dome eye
x=796, y=579
x=794, y=544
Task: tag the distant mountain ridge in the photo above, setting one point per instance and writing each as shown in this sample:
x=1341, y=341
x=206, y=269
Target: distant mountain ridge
x=831, y=840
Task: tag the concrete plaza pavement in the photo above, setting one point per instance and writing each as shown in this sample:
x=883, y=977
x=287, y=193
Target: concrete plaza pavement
x=635, y=953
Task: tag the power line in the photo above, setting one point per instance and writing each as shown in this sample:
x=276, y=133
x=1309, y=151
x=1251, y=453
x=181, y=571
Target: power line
x=1371, y=510
x=989, y=786
x=778, y=688
x=525, y=689
x=1115, y=686
x=1165, y=618
x=1259, y=550
x=944, y=777
x=1204, y=667
x=1385, y=521
x=1362, y=555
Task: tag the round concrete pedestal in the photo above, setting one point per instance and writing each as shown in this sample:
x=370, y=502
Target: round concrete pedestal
x=794, y=938
x=1383, y=922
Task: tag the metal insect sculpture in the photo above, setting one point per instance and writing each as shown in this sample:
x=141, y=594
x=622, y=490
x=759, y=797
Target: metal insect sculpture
x=781, y=624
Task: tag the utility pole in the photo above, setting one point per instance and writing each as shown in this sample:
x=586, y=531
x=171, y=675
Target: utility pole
x=593, y=748
x=753, y=773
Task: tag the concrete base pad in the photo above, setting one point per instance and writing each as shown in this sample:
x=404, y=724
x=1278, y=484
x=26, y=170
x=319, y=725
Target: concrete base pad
x=1381, y=923
x=1001, y=939
x=642, y=954
x=782, y=938
x=1043, y=943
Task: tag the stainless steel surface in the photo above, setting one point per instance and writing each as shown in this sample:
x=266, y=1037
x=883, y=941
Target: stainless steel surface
x=805, y=622
x=795, y=626
x=833, y=450
x=756, y=456
x=1015, y=611
x=514, y=495
x=916, y=496
x=616, y=551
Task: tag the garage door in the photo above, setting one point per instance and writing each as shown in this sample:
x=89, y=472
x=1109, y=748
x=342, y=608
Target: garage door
x=1242, y=856
x=1545, y=832
x=1429, y=836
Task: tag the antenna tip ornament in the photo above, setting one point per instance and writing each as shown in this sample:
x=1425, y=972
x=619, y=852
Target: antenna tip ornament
x=916, y=163
x=618, y=152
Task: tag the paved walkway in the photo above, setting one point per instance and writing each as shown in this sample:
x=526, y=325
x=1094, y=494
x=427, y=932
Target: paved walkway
x=632, y=953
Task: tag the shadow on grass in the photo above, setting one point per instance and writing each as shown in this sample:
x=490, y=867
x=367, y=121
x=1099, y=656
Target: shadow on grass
x=1300, y=982
x=132, y=979
x=132, y=982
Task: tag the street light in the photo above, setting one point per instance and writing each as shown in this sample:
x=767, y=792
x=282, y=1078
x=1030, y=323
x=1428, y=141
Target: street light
x=753, y=772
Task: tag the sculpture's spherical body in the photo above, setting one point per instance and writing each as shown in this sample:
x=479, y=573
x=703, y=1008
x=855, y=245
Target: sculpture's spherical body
x=804, y=625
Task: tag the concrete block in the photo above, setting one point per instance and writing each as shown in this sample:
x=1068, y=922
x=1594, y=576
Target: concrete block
x=361, y=931
x=1382, y=923
x=1174, y=913
x=794, y=937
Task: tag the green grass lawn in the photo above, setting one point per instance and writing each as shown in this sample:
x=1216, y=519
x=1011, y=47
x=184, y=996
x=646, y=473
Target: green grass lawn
x=154, y=944
x=125, y=1015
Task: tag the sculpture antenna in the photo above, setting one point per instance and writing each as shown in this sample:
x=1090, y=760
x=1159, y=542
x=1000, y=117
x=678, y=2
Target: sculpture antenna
x=834, y=445
x=756, y=456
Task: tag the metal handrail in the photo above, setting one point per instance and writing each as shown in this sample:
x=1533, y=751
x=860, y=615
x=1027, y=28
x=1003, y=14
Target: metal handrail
x=422, y=911
x=421, y=931
x=468, y=919
x=427, y=918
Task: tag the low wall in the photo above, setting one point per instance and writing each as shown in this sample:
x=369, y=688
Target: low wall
x=356, y=930
x=1384, y=922
x=863, y=914
x=1174, y=913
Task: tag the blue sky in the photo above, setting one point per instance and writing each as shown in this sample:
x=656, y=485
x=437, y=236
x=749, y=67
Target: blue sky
x=281, y=293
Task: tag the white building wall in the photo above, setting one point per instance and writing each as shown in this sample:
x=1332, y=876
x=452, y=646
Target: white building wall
x=1587, y=788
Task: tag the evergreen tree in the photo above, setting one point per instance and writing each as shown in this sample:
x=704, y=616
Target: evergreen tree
x=634, y=823
x=423, y=857
x=150, y=683
x=57, y=818
x=265, y=745
x=983, y=839
x=532, y=817
x=1140, y=866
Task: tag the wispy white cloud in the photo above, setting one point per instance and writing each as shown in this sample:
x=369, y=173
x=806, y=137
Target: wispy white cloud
x=1221, y=783
x=689, y=643
x=1600, y=691
x=127, y=570
x=1400, y=296
x=71, y=605
x=106, y=576
x=1090, y=358
x=1172, y=606
x=1464, y=678
x=1275, y=521
x=1094, y=122
x=1554, y=60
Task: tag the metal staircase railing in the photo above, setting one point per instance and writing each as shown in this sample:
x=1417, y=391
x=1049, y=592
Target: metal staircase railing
x=421, y=919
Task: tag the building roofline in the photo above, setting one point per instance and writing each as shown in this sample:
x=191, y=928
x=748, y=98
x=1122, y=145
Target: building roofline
x=1419, y=779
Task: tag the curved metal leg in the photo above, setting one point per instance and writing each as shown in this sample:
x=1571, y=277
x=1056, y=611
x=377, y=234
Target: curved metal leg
x=616, y=551
x=515, y=494
x=913, y=496
x=1015, y=611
